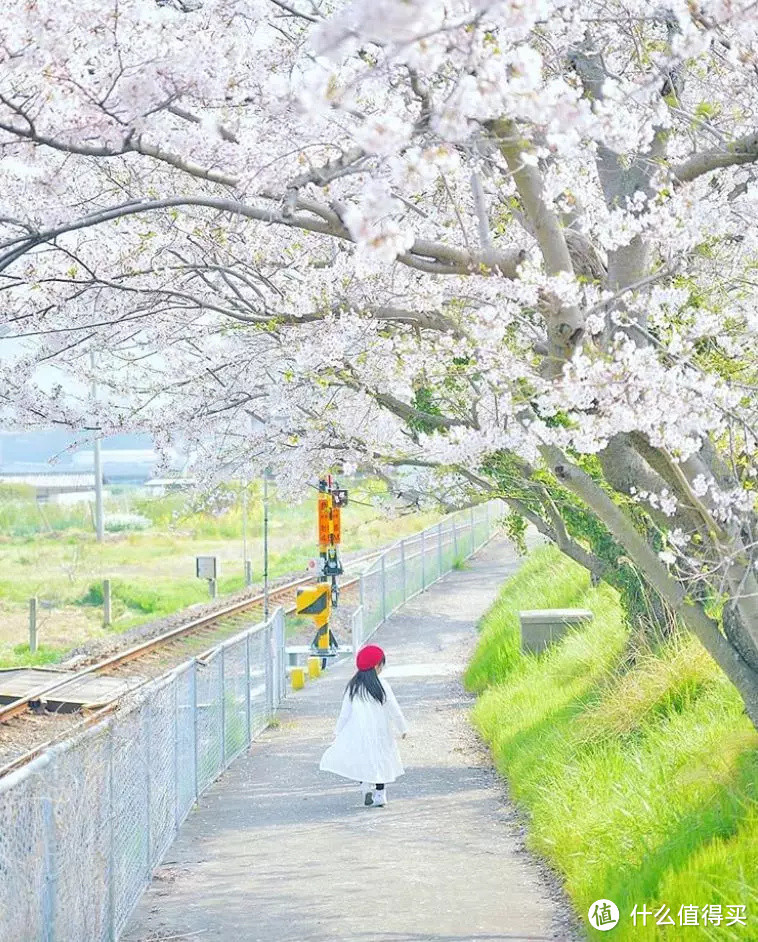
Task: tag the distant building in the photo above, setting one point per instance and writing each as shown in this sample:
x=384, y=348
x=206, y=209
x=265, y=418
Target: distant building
x=157, y=487
x=54, y=486
x=126, y=459
x=120, y=465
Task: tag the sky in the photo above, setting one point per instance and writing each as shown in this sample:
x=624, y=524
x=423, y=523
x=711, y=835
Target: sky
x=38, y=450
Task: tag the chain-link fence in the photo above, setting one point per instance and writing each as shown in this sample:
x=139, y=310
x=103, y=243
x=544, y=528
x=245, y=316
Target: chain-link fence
x=83, y=826
x=414, y=563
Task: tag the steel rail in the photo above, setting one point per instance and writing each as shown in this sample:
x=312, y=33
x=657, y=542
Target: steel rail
x=103, y=710
x=21, y=705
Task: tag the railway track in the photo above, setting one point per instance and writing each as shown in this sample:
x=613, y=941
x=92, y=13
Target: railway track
x=22, y=720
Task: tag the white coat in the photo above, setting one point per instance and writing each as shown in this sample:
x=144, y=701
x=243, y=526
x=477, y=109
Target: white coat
x=365, y=749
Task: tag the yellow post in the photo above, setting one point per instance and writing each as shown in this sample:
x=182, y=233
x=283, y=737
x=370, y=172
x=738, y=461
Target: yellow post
x=314, y=667
x=298, y=678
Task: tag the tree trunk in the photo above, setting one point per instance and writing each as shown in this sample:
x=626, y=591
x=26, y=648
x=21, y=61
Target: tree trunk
x=737, y=669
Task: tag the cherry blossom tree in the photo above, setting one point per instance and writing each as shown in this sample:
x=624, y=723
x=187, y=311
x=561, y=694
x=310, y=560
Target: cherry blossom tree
x=509, y=244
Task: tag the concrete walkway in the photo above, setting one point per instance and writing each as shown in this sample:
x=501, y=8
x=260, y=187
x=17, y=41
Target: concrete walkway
x=279, y=852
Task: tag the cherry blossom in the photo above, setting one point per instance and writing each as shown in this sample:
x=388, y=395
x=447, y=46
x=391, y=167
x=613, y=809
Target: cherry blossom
x=481, y=247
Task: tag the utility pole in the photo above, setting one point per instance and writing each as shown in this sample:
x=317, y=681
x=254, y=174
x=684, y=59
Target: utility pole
x=247, y=565
x=265, y=543
x=99, y=521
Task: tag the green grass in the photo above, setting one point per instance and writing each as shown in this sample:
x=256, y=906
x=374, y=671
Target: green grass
x=21, y=656
x=641, y=783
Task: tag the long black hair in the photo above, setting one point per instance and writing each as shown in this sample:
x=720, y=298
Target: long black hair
x=366, y=684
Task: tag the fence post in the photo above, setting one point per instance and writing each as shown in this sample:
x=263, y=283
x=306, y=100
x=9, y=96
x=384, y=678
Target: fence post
x=487, y=517
x=107, y=612
x=270, y=667
x=473, y=531
x=49, y=864
x=402, y=567
x=148, y=792
x=222, y=692
x=384, y=588
x=111, y=844
x=423, y=562
x=439, y=548
x=33, y=624
x=175, y=685
x=248, y=718
x=455, y=539
x=195, y=749
x=280, y=645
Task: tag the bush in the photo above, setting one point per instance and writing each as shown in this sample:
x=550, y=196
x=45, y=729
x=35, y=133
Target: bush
x=93, y=595
x=117, y=523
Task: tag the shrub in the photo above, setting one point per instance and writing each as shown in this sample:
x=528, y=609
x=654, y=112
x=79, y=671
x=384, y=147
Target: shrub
x=116, y=523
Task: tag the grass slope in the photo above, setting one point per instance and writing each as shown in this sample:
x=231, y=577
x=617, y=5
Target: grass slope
x=641, y=783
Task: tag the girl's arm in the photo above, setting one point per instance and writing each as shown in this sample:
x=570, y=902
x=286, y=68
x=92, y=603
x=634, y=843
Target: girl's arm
x=396, y=714
x=347, y=709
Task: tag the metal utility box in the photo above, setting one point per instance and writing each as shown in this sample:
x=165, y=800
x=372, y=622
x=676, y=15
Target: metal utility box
x=205, y=567
x=543, y=626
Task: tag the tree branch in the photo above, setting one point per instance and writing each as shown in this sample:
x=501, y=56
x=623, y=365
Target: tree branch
x=436, y=257
x=565, y=323
x=742, y=151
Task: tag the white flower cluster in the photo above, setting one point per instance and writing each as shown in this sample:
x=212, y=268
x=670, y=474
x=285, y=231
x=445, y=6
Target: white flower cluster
x=373, y=224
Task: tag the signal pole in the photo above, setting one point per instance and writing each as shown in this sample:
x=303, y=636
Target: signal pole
x=318, y=600
x=245, y=561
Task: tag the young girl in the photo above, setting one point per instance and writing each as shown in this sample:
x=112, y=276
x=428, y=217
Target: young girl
x=365, y=749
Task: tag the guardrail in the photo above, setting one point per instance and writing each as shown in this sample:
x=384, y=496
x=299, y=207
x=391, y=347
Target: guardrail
x=83, y=826
x=416, y=562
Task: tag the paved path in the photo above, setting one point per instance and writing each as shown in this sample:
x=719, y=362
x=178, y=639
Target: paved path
x=279, y=852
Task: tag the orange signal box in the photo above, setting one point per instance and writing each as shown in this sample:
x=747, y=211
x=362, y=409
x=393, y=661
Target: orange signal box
x=329, y=522
x=324, y=508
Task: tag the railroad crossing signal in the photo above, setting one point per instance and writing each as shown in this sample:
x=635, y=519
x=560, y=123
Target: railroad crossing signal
x=314, y=600
x=317, y=600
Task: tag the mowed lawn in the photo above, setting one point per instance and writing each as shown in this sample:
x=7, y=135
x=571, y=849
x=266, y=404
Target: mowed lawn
x=50, y=552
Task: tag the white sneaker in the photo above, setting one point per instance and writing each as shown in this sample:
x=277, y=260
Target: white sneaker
x=380, y=798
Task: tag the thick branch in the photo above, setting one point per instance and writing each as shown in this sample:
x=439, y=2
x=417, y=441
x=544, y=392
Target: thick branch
x=436, y=257
x=742, y=151
x=409, y=413
x=565, y=323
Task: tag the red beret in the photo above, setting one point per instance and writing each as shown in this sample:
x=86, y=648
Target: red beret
x=368, y=657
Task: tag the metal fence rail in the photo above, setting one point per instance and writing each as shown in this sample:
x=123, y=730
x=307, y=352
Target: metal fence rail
x=413, y=564
x=83, y=826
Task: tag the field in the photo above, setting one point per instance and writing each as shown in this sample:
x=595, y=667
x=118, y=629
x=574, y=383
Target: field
x=639, y=776
x=50, y=552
